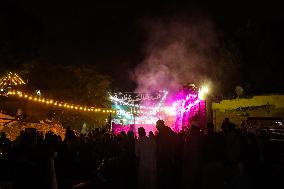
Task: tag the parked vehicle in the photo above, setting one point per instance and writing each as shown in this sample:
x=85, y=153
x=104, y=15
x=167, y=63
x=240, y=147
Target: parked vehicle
x=270, y=128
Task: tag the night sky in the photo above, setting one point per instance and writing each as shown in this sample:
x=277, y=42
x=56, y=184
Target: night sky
x=111, y=35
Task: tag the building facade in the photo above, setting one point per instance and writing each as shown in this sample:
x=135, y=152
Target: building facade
x=238, y=110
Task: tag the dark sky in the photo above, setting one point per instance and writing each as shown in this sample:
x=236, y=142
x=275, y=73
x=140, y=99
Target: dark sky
x=109, y=34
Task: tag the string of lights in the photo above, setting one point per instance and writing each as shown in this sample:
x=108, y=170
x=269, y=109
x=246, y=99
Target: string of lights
x=176, y=113
x=122, y=101
x=145, y=115
x=11, y=79
x=132, y=97
x=65, y=105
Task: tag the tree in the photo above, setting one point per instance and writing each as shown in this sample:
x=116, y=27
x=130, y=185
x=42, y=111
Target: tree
x=79, y=85
x=76, y=84
x=239, y=91
x=228, y=69
x=20, y=37
x=92, y=86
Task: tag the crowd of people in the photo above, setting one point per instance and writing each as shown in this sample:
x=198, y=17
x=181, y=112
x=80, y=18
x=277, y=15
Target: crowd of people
x=192, y=158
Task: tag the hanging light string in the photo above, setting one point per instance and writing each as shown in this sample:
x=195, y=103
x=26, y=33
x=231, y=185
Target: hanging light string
x=11, y=79
x=121, y=101
x=140, y=109
x=65, y=105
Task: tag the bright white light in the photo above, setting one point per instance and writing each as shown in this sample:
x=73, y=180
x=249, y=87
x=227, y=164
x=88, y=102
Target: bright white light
x=38, y=92
x=202, y=92
x=170, y=110
x=205, y=89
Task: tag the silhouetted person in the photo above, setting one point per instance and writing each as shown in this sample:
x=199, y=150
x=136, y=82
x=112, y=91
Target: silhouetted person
x=131, y=176
x=225, y=125
x=233, y=147
x=192, y=159
x=69, y=134
x=145, y=150
x=252, y=159
x=213, y=158
x=151, y=135
x=165, y=155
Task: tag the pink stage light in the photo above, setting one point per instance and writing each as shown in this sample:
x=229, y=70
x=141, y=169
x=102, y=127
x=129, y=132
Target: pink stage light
x=182, y=109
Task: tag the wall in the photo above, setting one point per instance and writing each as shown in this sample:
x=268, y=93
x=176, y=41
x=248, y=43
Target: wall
x=240, y=109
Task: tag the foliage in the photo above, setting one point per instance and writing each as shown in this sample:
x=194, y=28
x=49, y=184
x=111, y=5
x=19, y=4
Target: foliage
x=83, y=85
x=80, y=85
x=20, y=37
x=229, y=58
x=13, y=130
x=76, y=119
x=239, y=91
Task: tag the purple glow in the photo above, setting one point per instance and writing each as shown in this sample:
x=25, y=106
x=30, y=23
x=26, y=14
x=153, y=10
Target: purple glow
x=177, y=113
x=117, y=128
x=185, y=108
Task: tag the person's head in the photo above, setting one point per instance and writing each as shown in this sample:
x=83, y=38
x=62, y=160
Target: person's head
x=141, y=132
x=122, y=133
x=130, y=134
x=225, y=125
x=159, y=124
x=226, y=120
x=151, y=134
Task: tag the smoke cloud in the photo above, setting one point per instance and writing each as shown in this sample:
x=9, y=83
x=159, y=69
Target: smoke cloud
x=178, y=51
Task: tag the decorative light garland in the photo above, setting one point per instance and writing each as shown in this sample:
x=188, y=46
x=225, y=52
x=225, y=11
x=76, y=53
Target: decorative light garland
x=132, y=97
x=145, y=114
x=121, y=101
x=184, y=107
x=11, y=79
x=64, y=105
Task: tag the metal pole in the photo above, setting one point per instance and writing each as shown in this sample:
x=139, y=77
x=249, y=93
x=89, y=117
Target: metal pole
x=215, y=120
x=134, y=118
x=110, y=122
x=134, y=127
